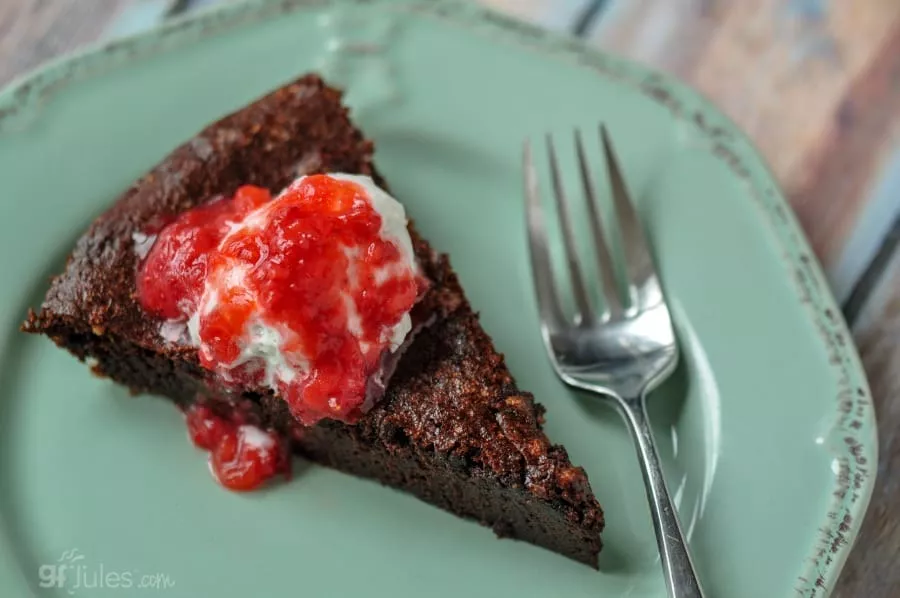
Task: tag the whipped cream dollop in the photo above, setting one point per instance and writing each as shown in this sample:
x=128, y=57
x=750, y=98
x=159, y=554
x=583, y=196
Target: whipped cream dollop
x=308, y=293
x=264, y=341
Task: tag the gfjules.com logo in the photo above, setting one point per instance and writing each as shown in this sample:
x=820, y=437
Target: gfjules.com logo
x=74, y=573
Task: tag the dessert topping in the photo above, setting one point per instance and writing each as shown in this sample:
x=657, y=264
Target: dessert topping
x=304, y=293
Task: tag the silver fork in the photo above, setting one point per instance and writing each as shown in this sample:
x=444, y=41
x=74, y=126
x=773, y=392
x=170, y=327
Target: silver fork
x=621, y=352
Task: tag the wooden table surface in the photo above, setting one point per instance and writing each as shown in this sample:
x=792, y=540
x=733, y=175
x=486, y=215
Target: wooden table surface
x=815, y=83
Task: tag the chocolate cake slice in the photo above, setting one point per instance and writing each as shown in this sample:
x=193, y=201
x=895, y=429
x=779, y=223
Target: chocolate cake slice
x=453, y=428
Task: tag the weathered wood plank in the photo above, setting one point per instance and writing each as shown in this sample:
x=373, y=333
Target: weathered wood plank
x=872, y=570
x=815, y=84
x=558, y=15
x=32, y=31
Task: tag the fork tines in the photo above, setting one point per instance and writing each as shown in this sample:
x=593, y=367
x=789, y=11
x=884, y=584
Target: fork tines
x=638, y=263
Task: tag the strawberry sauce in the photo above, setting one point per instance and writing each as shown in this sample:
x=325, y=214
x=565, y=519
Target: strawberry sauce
x=242, y=457
x=303, y=293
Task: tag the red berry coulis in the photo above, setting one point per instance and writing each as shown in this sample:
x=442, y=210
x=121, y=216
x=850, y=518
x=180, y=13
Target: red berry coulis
x=310, y=264
x=242, y=457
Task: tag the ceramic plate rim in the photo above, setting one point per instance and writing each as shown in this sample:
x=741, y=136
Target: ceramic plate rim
x=853, y=437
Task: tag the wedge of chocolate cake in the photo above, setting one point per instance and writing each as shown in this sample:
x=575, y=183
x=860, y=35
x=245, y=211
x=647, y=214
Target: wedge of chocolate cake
x=263, y=279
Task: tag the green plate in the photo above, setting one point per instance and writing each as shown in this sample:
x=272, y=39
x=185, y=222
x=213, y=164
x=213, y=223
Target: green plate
x=767, y=430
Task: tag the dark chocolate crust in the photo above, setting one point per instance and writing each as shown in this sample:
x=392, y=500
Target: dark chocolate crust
x=453, y=427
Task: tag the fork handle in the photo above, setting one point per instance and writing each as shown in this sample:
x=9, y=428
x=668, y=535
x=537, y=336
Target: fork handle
x=678, y=568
